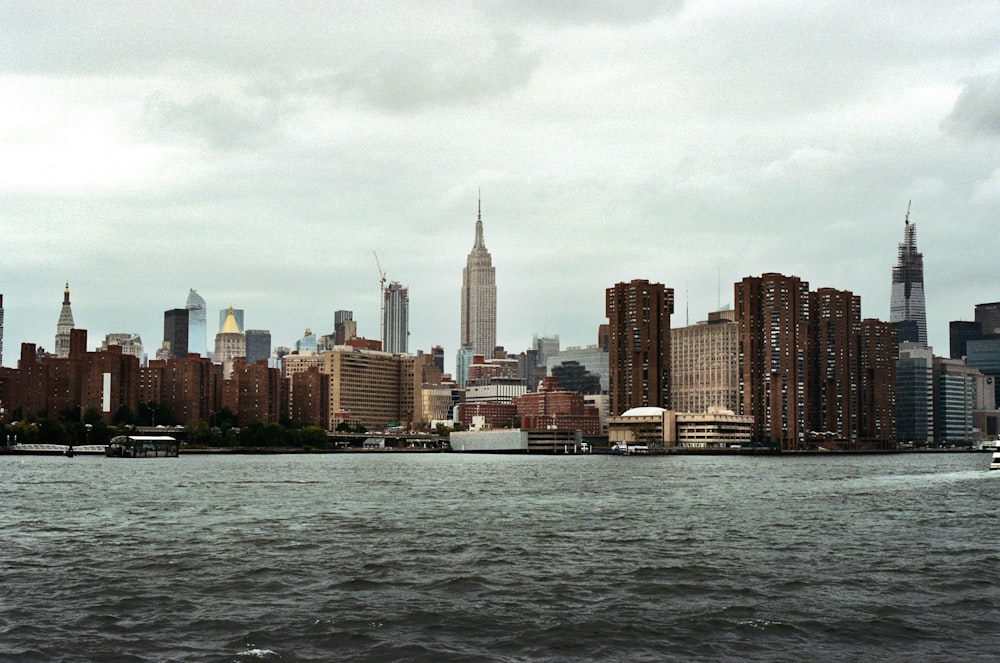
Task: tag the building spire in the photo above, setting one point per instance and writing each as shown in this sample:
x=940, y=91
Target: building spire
x=908, y=203
x=480, y=245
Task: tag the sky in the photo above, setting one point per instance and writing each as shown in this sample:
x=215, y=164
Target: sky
x=265, y=153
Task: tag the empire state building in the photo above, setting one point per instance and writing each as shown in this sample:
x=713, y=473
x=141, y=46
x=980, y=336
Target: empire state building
x=479, y=296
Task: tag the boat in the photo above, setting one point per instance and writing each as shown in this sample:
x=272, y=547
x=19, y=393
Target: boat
x=995, y=461
x=624, y=449
x=142, y=446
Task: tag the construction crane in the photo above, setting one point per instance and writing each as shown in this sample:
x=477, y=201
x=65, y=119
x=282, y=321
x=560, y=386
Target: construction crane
x=381, y=299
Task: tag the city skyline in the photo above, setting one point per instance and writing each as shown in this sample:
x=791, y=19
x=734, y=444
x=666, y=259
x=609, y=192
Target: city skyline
x=260, y=158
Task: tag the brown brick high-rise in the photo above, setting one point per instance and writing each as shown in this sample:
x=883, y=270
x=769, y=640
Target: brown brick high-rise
x=639, y=344
x=773, y=314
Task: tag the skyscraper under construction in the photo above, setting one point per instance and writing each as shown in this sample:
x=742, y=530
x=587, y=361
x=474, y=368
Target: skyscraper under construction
x=906, y=305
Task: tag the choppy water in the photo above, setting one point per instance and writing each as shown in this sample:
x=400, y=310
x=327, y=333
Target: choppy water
x=452, y=557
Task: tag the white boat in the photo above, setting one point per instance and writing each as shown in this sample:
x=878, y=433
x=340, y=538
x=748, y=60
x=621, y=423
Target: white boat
x=995, y=461
x=624, y=449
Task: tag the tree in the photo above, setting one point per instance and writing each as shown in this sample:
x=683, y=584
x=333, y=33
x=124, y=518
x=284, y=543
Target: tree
x=124, y=416
x=52, y=431
x=313, y=437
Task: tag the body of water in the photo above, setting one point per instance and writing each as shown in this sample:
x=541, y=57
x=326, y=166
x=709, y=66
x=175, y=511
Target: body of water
x=460, y=557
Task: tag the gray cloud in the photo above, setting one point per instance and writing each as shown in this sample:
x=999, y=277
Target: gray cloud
x=584, y=12
x=219, y=122
x=977, y=109
x=400, y=81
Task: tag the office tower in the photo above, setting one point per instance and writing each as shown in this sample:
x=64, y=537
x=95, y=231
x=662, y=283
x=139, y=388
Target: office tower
x=131, y=344
x=877, y=384
x=704, y=366
x=915, y=393
x=639, y=339
x=64, y=326
x=834, y=332
x=954, y=400
x=230, y=343
x=437, y=356
x=237, y=316
x=176, y=325
x=984, y=354
x=906, y=303
x=197, y=324
x=258, y=345
x=308, y=343
x=395, y=318
x=479, y=297
x=547, y=347
x=960, y=332
x=773, y=314
x=463, y=359
x=594, y=361
x=344, y=327
x=988, y=318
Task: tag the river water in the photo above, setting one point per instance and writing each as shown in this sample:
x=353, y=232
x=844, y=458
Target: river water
x=460, y=557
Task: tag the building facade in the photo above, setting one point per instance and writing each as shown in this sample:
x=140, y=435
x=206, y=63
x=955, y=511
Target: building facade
x=639, y=341
x=954, y=401
x=772, y=311
x=64, y=325
x=197, y=323
x=131, y=344
x=176, y=327
x=877, y=384
x=479, y=297
x=834, y=332
x=915, y=393
x=258, y=345
x=395, y=318
x=593, y=358
x=230, y=343
x=906, y=304
x=704, y=362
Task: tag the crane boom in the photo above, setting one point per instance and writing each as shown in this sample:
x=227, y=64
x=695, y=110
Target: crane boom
x=381, y=299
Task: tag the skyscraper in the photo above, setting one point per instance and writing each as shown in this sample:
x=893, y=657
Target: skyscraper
x=773, y=314
x=639, y=339
x=703, y=364
x=344, y=327
x=176, y=327
x=64, y=326
x=237, y=316
x=197, y=323
x=479, y=297
x=906, y=304
x=395, y=318
x=230, y=343
x=1, y=329
x=258, y=345
x=834, y=334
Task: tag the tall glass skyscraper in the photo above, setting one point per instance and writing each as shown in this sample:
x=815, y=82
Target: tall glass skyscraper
x=906, y=304
x=197, y=324
x=479, y=297
x=395, y=318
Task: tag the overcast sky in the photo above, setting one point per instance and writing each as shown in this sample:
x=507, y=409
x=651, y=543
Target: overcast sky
x=262, y=152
